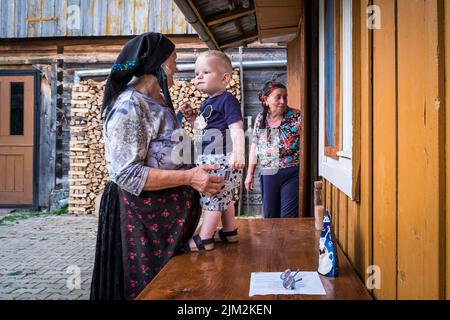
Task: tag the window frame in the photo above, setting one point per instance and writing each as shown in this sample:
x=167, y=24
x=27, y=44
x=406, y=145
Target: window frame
x=338, y=168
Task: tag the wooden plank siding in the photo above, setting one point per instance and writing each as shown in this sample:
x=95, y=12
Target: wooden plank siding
x=97, y=18
x=100, y=12
x=352, y=230
x=343, y=221
x=363, y=256
x=447, y=139
x=33, y=9
x=73, y=28
x=384, y=151
x=419, y=149
x=296, y=89
x=401, y=220
x=48, y=10
x=335, y=211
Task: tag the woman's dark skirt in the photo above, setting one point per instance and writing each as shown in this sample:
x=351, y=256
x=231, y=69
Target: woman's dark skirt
x=137, y=235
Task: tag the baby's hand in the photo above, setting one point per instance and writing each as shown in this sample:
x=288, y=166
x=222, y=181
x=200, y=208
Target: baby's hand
x=188, y=112
x=237, y=161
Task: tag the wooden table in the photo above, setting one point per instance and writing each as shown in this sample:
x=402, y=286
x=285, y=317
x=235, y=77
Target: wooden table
x=266, y=245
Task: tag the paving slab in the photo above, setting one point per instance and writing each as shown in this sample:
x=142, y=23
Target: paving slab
x=41, y=256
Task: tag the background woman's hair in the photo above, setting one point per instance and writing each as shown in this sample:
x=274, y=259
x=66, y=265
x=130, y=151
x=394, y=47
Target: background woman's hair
x=262, y=123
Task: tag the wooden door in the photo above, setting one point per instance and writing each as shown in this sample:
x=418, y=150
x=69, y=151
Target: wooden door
x=16, y=139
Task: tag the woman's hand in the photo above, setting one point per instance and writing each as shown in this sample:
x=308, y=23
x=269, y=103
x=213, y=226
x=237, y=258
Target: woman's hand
x=249, y=182
x=188, y=112
x=204, y=182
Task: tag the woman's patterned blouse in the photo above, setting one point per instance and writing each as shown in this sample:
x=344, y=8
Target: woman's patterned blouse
x=138, y=136
x=278, y=147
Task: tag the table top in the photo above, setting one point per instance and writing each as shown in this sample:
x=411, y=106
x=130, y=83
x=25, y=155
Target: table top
x=265, y=245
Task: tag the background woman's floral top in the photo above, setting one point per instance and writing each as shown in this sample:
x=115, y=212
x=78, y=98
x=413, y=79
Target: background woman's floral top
x=278, y=147
x=138, y=136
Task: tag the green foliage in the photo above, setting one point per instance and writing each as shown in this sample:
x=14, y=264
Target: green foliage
x=26, y=214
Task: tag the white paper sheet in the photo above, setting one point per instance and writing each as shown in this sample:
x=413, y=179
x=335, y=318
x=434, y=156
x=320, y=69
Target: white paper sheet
x=264, y=283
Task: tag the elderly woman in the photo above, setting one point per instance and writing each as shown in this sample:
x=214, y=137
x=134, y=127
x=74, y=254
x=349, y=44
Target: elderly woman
x=150, y=208
x=275, y=148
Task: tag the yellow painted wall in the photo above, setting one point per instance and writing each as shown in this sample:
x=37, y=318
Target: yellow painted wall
x=385, y=151
x=297, y=98
x=400, y=222
x=296, y=91
x=447, y=140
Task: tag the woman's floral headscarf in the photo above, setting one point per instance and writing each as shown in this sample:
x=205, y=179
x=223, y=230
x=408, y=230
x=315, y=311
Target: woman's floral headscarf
x=268, y=88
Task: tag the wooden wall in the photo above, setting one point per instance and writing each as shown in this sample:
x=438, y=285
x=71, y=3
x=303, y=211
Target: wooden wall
x=447, y=142
x=385, y=150
x=297, y=99
x=400, y=222
x=59, y=58
x=97, y=18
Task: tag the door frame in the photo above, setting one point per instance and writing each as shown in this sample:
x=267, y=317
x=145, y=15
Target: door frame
x=37, y=77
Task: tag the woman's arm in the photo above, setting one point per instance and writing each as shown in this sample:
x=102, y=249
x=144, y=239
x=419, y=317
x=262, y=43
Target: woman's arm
x=252, y=161
x=251, y=168
x=126, y=139
x=198, y=178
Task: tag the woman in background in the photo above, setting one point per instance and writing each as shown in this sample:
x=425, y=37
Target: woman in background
x=275, y=149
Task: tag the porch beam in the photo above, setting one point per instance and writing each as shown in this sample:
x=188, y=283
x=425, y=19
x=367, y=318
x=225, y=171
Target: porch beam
x=232, y=15
x=239, y=40
x=194, y=17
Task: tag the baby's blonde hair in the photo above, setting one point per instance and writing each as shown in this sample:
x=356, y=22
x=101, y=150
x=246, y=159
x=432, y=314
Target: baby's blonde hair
x=225, y=61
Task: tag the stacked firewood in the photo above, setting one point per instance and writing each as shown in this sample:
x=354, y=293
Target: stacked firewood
x=88, y=173
x=185, y=92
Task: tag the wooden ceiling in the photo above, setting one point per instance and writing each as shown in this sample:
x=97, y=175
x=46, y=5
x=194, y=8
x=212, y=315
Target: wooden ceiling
x=278, y=20
x=232, y=23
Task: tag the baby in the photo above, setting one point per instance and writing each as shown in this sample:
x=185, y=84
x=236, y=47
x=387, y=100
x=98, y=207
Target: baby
x=220, y=141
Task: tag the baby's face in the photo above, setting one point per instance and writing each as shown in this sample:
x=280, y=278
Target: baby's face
x=210, y=76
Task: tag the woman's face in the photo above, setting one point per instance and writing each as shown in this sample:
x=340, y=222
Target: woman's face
x=277, y=101
x=170, y=68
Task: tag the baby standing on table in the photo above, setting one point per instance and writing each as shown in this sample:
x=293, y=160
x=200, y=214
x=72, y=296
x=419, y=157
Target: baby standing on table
x=219, y=138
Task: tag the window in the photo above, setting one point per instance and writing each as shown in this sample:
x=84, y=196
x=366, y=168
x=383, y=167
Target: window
x=335, y=93
x=16, y=112
x=332, y=77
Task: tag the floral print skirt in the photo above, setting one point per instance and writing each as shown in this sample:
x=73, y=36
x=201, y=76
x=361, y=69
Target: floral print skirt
x=154, y=226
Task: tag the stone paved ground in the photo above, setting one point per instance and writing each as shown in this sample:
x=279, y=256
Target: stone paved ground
x=40, y=256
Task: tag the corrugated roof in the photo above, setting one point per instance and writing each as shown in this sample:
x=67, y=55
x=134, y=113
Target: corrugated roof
x=227, y=23
x=59, y=18
x=222, y=23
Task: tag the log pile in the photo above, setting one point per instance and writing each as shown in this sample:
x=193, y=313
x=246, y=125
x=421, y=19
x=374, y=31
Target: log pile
x=88, y=173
